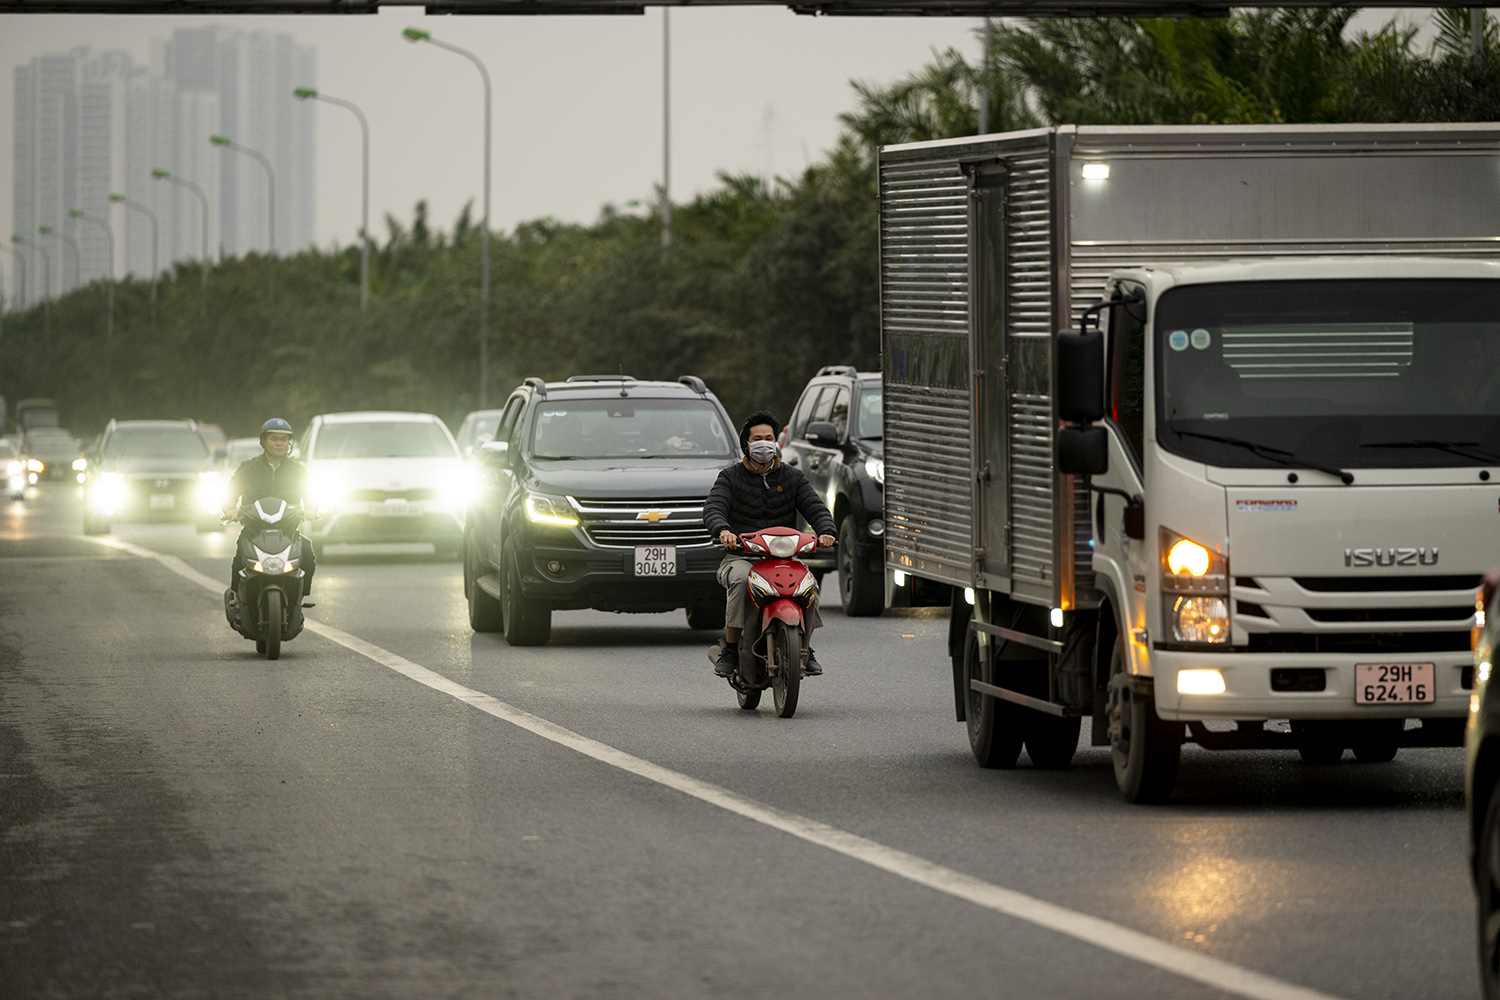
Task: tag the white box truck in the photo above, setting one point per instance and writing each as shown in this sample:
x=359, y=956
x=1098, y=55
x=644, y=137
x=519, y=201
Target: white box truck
x=1202, y=426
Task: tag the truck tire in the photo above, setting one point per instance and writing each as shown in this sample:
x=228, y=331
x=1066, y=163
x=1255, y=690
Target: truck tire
x=1487, y=882
x=1051, y=741
x=995, y=729
x=1378, y=740
x=1319, y=742
x=1146, y=750
x=527, y=623
x=861, y=585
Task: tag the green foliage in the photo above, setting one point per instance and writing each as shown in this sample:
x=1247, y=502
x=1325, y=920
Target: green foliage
x=763, y=282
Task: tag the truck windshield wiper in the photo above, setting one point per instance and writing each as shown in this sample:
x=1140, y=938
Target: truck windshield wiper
x=1466, y=449
x=1278, y=455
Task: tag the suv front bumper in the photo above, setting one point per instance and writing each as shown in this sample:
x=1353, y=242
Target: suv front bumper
x=604, y=579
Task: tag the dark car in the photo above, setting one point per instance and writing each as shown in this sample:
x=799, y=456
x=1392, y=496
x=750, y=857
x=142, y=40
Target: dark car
x=1482, y=782
x=152, y=470
x=477, y=428
x=591, y=496
x=835, y=438
x=54, y=449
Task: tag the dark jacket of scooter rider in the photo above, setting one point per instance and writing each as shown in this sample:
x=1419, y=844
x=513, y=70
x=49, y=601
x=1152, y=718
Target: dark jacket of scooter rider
x=272, y=473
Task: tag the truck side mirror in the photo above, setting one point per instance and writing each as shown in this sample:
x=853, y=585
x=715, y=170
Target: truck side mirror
x=1079, y=367
x=1082, y=451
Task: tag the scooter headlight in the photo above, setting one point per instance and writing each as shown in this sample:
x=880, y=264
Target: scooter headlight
x=782, y=546
x=274, y=562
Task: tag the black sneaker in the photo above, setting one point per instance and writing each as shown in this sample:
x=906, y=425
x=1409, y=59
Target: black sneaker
x=728, y=662
x=812, y=668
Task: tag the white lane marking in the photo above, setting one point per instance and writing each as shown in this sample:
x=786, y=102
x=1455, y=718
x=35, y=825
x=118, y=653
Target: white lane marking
x=1095, y=931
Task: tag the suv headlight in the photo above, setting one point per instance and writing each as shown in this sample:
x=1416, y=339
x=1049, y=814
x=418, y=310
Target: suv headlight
x=1194, y=590
x=875, y=469
x=549, y=510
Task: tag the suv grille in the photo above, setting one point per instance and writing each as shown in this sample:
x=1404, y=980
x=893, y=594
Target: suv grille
x=627, y=523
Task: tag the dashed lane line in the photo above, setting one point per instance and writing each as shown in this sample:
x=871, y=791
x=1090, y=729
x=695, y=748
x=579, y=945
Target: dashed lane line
x=1095, y=931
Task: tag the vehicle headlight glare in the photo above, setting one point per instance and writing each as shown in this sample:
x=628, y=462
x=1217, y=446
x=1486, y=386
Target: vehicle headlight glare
x=546, y=510
x=1200, y=681
x=79, y=464
x=35, y=465
x=462, y=487
x=875, y=469
x=1187, y=556
x=782, y=546
x=1200, y=619
x=328, y=491
x=14, y=468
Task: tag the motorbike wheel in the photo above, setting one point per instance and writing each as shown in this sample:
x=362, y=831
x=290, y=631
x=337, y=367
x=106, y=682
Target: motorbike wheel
x=786, y=666
x=273, y=624
x=995, y=730
x=861, y=585
x=749, y=699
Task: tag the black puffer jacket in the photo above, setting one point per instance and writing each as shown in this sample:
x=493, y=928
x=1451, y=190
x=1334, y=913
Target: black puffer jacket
x=743, y=500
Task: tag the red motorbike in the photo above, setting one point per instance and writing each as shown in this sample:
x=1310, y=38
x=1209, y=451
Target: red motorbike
x=782, y=591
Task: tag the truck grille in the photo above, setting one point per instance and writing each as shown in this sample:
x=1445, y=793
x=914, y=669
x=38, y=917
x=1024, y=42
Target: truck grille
x=627, y=523
x=1376, y=615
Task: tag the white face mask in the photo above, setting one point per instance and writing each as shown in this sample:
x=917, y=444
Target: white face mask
x=762, y=452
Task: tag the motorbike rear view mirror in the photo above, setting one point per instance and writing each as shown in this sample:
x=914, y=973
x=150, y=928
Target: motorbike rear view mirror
x=1079, y=366
x=822, y=434
x=1082, y=451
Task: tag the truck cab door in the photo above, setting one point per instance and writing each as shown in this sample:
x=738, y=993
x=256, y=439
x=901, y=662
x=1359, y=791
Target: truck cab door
x=1117, y=556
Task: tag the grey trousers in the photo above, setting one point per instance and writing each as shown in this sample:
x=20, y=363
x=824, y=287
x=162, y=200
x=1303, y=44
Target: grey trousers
x=734, y=572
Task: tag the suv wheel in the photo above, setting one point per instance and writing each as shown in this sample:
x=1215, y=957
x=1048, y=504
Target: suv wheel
x=861, y=586
x=706, y=614
x=527, y=623
x=485, y=613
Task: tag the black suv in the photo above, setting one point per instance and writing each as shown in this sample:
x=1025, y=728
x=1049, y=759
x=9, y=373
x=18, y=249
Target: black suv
x=152, y=470
x=835, y=438
x=591, y=496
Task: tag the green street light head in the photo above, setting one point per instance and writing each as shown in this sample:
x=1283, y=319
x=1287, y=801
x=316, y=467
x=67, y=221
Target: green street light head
x=416, y=35
x=116, y=197
x=76, y=213
x=219, y=140
x=303, y=93
x=44, y=230
x=160, y=174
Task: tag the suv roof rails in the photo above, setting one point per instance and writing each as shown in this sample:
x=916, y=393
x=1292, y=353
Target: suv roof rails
x=835, y=370
x=538, y=385
x=602, y=378
x=694, y=383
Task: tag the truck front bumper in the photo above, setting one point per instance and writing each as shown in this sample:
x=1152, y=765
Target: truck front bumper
x=1249, y=694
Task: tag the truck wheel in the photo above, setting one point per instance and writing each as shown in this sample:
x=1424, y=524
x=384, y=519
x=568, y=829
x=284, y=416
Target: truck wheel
x=706, y=614
x=861, y=586
x=485, y=613
x=527, y=623
x=995, y=732
x=1051, y=741
x=1378, y=740
x=1318, y=743
x=1146, y=750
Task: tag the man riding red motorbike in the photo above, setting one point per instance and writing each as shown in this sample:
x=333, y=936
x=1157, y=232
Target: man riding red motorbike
x=759, y=492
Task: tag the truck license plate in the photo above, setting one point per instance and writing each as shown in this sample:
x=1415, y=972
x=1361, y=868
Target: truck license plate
x=656, y=560
x=1395, y=683
x=395, y=510
x=163, y=501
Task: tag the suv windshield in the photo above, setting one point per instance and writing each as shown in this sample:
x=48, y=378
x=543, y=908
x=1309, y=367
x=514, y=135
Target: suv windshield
x=382, y=439
x=630, y=428
x=158, y=443
x=1354, y=373
x=867, y=417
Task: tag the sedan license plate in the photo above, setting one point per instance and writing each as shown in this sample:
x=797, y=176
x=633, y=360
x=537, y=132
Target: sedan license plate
x=163, y=501
x=656, y=560
x=1395, y=683
x=395, y=510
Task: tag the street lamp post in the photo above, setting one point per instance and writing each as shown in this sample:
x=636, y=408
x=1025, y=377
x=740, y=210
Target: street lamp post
x=228, y=143
x=305, y=93
x=418, y=35
x=46, y=279
x=20, y=259
x=71, y=243
x=666, y=129
x=166, y=175
x=120, y=199
x=109, y=315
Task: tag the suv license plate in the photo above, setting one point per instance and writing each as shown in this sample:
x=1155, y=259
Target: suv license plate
x=1395, y=683
x=395, y=510
x=656, y=560
x=163, y=501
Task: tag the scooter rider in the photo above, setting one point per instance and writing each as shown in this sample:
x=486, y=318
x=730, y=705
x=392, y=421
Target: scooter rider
x=759, y=492
x=272, y=473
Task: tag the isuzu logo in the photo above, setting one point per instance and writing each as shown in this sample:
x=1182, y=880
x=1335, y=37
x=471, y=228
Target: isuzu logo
x=1390, y=557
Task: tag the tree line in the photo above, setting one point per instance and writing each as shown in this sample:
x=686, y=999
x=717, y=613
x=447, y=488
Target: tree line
x=764, y=282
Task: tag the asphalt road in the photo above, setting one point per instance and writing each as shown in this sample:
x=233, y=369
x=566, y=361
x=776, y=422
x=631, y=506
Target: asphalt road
x=400, y=808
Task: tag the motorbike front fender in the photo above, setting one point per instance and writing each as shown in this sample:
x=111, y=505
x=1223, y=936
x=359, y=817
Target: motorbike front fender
x=783, y=608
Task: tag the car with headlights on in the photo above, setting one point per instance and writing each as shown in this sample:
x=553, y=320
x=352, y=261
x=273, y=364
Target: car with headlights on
x=591, y=496
x=16, y=479
x=237, y=451
x=477, y=428
x=51, y=452
x=386, y=476
x=152, y=471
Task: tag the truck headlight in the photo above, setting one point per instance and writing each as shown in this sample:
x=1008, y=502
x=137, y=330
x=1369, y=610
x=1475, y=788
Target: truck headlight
x=1194, y=589
x=549, y=510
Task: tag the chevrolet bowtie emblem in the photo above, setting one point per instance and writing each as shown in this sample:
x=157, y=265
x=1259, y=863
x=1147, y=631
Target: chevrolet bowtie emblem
x=652, y=515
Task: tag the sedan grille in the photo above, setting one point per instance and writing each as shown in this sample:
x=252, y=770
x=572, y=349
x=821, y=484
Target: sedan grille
x=627, y=523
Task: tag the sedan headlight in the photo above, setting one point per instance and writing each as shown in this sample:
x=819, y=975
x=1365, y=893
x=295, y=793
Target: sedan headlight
x=328, y=491
x=1194, y=589
x=460, y=487
x=14, y=468
x=211, y=492
x=35, y=465
x=549, y=510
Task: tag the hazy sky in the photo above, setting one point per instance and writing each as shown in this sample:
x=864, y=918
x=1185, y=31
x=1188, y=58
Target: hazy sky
x=578, y=100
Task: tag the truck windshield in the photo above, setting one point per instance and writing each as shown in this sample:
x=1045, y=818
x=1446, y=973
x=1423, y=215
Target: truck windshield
x=1338, y=374
x=630, y=428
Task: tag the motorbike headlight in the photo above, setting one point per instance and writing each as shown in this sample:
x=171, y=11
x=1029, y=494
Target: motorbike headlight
x=549, y=510
x=875, y=469
x=1195, y=590
x=274, y=562
x=79, y=464
x=782, y=546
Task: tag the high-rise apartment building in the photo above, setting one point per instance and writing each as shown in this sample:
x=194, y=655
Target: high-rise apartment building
x=87, y=125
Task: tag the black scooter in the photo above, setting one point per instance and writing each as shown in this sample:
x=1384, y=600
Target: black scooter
x=265, y=603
